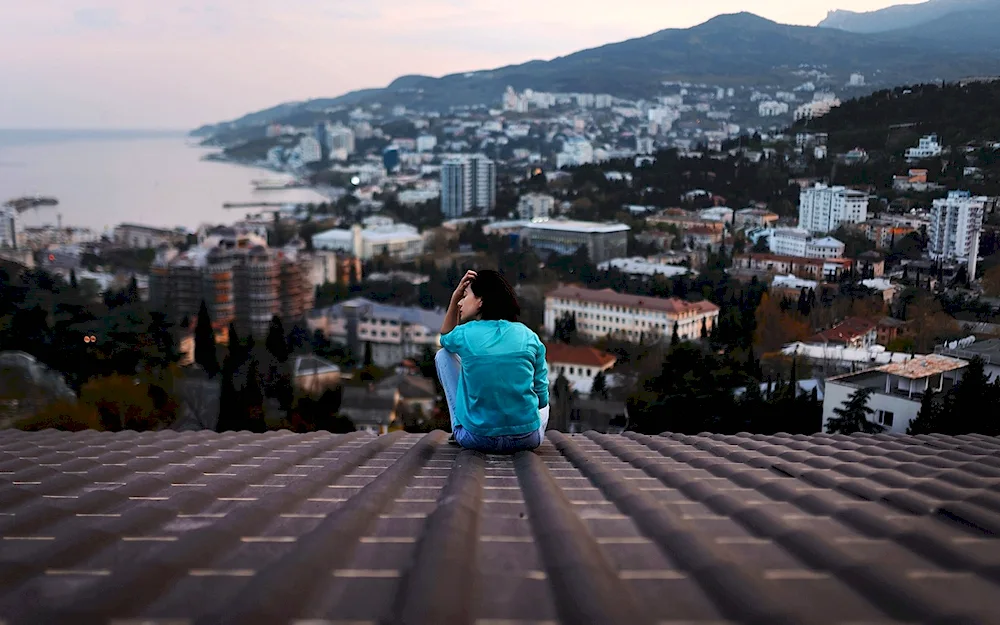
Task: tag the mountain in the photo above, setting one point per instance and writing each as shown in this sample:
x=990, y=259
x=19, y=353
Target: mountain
x=902, y=15
x=731, y=50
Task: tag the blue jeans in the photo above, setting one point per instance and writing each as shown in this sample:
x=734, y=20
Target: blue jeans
x=448, y=366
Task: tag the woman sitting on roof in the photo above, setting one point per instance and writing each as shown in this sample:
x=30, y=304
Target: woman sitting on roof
x=492, y=368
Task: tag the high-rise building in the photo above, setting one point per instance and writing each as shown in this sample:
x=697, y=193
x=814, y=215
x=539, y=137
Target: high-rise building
x=468, y=183
x=956, y=223
x=535, y=206
x=340, y=140
x=390, y=158
x=823, y=209
x=239, y=278
x=9, y=226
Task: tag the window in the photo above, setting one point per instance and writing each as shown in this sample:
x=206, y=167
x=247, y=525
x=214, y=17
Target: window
x=885, y=418
x=572, y=370
x=588, y=371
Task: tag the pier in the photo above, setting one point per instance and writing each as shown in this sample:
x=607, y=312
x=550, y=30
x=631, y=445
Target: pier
x=265, y=205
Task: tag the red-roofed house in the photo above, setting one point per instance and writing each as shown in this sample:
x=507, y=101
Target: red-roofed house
x=853, y=332
x=578, y=363
x=604, y=312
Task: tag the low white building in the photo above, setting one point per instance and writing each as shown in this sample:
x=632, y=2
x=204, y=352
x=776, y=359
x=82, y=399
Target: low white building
x=717, y=213
x=898, y=389
x=577, y=363
x=968, y=348
x=788, y=241
x=535, y=206
x=576, y=151
x=639, y=266
x=790, y=282
x=604, y=312
x=927, y=147
x=400, y=241
x=426, y=143
x=826, y=247
x=771, y=108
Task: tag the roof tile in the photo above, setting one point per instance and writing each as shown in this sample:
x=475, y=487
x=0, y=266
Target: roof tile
x=239, y=528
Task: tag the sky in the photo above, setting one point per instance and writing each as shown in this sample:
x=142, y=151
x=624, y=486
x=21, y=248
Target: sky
x=181, y=63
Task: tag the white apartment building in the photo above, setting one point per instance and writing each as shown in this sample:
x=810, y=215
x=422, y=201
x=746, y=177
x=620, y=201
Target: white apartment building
x=309, y=150
x=468, y=183
x=340, y=141
x=898, y=386
x=535, y=206
x=788, y=241
x=753, y=218
x=823, y=208
x=816, y=108
x=426, y=143
x=576, y=151
x=826, y=247
x=10, y=226
x=577, y=363
x=799, y=242
x=394, y=332
x=927, y=147
x=400, y=241
x=644, y=145
x=856, y=80
x=639, y=266
x=771, y=108
x=956, y=223
x=138, y=236
x=630, y=317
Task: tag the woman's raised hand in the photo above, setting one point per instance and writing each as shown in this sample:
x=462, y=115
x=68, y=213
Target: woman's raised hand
x=459, y=293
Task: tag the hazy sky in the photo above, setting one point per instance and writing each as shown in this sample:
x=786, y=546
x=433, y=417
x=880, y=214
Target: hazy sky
x=181, y=63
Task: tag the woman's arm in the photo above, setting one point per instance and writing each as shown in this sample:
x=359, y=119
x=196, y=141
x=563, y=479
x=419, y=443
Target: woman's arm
x=451, y=318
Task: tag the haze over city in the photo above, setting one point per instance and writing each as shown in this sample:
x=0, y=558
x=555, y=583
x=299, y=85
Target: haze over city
x=125, y=64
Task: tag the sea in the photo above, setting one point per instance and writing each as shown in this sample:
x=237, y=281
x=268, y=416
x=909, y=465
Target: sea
x=102, y=178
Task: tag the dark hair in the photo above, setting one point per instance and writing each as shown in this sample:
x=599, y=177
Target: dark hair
x=499, y=300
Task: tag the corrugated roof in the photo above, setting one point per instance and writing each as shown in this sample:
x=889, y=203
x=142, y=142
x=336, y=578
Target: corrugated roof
x=670, y=305
x=923, y=366
x=577, y=355
x=273, y=528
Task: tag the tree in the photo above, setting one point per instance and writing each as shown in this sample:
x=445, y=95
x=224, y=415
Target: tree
x=275, y=342
x=927, y=420
x=565, y=329
x=67, y=415
x=368, y=360
x=704, y=328
x=132, y=293
x=599, y=388
x=852, y=416
x=204, y=342
x=963, y=411
x=72, y=279
x=252, y=400
x=562, y=394
x=675, y=337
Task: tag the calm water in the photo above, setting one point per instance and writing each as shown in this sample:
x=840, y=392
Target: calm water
x=103, y=178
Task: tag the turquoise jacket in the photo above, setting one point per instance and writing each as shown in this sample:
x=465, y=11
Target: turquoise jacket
x=504, y=379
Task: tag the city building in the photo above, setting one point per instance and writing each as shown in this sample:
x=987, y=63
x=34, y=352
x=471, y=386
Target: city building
x=853, y=332
x=791, y=286
x=604, y=312
x=748, y=218
x=823, y=209
x=883, y=233
x=927, y=147
x=870, y=264
x=898, y=388
x=828, y=269
x=426, y=143
x=340, y=141
x=798, y=242
x=956, y=224
x=856, y=80
x=309, y=150
x=576, y=151
x=771, y=108
x=10, y=227
x=394, y=332
x=577, y=363
x=535, y=206
x=639, y=266
x=390, y=158
x=468, y=183
x=378, y=236
x=239, y=279
x=603, y=241
x=971, y=347
x=717, y=213
x=146, y=237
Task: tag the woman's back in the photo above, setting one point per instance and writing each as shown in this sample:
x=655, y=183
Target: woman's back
x=504, y=378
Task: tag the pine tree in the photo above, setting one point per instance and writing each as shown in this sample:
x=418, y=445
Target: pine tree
x=367, y=362
x=275, y=342
x=927, y=420
x=72, y=279
x=704, y=328
x=599, y=389
x=132, y=294
x=204, y=343
x=675, y=338
x=963, y=411
x=852, y=416
x=252, y=400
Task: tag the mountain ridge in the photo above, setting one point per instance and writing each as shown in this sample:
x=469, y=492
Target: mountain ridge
x=729, y=50
x=900, y=16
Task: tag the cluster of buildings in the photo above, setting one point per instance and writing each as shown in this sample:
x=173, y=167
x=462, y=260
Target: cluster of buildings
x=239, y=278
